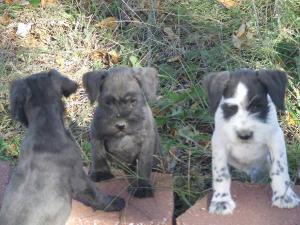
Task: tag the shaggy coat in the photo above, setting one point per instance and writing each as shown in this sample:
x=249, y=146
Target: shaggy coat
x=50, y=171
x=123, y=126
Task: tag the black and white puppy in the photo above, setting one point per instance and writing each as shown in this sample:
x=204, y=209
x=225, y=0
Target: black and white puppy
x=247, y=134
x=123, y=126
x=50, y=171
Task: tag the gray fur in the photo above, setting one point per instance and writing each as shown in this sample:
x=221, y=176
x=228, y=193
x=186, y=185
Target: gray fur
x=123, y=126
x=50, y=171
x=275, y=82
x=215, y=84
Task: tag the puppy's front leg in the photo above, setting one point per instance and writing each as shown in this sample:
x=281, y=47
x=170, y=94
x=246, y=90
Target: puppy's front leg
x=86, y=192
x=100, y=168
x=140, y=185
x=221, y=202
x=283, y=195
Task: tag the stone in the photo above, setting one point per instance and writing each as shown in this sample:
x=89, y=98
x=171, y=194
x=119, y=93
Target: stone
x=253, y=207
x=147, y=211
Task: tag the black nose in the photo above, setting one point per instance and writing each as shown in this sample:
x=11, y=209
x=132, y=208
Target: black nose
x=245, y=134
x=121, y=126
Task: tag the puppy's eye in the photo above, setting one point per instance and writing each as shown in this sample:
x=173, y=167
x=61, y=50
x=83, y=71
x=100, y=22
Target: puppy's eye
x=256, y=105
x=109, y=101
x=229, y=110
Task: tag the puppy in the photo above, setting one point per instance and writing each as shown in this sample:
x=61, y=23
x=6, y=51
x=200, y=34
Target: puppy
x=247, y=134
x=50, y=170
x=123, y=126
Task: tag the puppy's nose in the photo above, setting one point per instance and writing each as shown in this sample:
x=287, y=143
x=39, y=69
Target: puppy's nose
x=121, y=125
x=245, y=134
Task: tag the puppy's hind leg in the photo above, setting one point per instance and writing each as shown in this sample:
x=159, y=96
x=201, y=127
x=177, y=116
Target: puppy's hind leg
x=100, y=168
x=283, y=195
x=86, y=192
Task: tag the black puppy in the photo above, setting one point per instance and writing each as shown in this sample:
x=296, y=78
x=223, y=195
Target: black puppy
x=123, y=126
x=49, y=172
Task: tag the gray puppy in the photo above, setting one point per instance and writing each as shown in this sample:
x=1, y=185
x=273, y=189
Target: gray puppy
x=123, y=126
x=49, y=172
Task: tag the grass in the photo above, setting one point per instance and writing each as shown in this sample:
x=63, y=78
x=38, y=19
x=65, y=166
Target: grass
x=68, y=37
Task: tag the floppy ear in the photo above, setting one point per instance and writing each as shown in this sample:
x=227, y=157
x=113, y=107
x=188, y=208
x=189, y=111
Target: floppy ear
x=215, y=84
x=67, y=86
x=18, y=95
x=275, y=81
x=92, y=82
x=148, y=80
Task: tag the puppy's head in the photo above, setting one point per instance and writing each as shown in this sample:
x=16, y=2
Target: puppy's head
x=122, y=94
x=243, y=101
x=39, y=90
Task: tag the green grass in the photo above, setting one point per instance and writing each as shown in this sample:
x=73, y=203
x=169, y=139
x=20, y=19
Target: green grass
x=65, y=36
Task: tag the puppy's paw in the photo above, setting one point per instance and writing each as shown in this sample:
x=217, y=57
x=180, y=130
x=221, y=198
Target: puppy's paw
x=116, y=204
x=143, y=190
x=287, y=200
x=222, y=207
x=98, y=176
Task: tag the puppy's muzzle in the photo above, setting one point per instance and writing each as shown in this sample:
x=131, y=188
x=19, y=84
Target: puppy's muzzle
x=244, y=134
x=121, y=125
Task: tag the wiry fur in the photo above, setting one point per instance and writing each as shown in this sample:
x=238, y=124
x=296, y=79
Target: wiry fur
x=247, y=134
x=123, y=126
x=49, y=172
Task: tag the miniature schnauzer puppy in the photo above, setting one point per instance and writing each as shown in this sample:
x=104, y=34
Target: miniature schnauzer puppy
x=247, y=134
x=50, y=171
x=123, y=126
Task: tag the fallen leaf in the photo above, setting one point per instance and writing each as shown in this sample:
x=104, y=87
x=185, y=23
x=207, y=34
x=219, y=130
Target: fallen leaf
x=228, y=3
x=98, y=54
x=5, y=19
x=170, y=34
x=241, y=31
x=290, y=120
x=173, y=132
x=109, y=22
x=60, y=60
x=242, y=36
x=45, y=3
x=107, y=57
x=115, y=56
x=9, y=2
x=237, y=43
x=176, y=58
x=23, y=29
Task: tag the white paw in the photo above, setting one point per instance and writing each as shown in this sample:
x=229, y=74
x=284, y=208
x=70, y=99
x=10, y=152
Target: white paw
x=287, y=200
x=222, y=207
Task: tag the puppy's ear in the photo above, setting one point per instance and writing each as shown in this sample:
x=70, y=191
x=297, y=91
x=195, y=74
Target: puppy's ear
x=92, y=82
x=275, y=81
x=67, y=86
x=18, y=95
x=148, y=80
x=215, y=84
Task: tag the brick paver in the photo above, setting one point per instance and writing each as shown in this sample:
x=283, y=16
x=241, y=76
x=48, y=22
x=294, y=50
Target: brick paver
x=253, y=208
x=157, y=210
